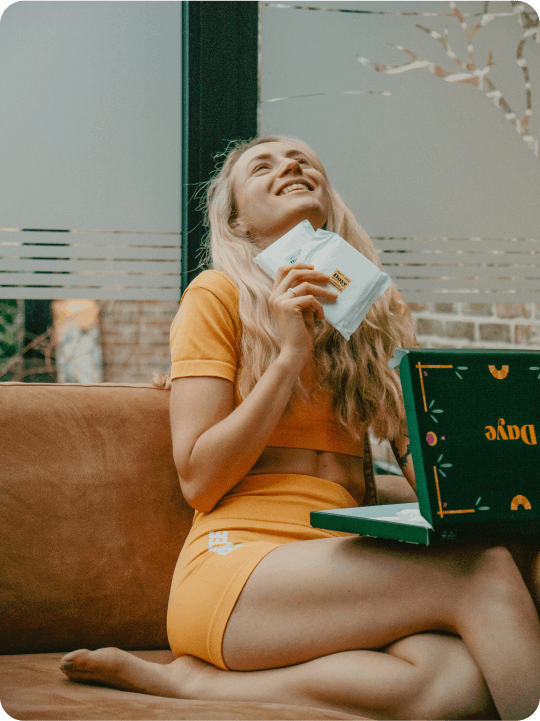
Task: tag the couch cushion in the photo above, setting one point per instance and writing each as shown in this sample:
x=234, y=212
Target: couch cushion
x=33, y=687
x=92, y=518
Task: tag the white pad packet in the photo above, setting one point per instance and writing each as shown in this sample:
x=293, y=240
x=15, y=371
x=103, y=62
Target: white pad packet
x=357, y=280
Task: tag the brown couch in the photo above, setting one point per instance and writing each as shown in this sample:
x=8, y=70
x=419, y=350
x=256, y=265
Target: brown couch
x=92, y=522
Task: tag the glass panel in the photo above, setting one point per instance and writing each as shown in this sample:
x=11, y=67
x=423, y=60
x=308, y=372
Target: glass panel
x=413, y=108
x=90, y=207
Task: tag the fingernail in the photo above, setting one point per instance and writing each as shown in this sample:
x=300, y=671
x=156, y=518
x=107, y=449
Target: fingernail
x=67, y=664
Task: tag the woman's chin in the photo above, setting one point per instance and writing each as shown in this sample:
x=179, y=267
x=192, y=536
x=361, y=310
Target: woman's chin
x=317, y=220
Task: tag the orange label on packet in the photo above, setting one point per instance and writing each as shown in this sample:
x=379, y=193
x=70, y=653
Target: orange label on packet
x=339, y=280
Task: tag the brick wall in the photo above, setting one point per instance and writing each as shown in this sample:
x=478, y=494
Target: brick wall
x=135, y=334
x=477, y=325
x=135, y=339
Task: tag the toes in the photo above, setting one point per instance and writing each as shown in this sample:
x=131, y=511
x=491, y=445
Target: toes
x=92, y=662
x=74, y=660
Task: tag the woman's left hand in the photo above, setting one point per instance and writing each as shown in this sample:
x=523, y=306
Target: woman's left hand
x=401, y=446
x=295, y=301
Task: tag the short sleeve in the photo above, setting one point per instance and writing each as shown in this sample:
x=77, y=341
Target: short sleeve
x=204, y=332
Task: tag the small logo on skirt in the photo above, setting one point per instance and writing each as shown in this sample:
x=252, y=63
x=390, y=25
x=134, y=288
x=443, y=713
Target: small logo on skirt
x=218, y=543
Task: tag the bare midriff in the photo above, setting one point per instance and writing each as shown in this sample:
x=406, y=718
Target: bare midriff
x=340, y=468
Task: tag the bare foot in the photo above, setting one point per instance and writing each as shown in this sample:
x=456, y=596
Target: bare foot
x=122, y=670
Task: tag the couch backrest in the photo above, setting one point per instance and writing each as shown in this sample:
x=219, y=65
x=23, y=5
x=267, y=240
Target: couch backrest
x=92, y=518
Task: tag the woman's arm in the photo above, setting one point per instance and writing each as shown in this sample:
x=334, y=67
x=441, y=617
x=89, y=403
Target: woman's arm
x=215, y=446
x=401, y=447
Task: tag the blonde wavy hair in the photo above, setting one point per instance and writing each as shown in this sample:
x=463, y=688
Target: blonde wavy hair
x=364, y=390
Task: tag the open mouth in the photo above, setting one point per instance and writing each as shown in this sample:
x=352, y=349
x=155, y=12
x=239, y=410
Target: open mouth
x=293, y=187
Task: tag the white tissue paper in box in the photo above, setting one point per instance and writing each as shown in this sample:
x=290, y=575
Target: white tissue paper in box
x=358, y=281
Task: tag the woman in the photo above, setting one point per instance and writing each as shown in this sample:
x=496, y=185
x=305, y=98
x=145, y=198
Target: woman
x=269, y=410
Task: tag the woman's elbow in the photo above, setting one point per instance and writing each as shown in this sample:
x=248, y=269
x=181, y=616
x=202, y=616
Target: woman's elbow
x=198, y=499
x=201, y=502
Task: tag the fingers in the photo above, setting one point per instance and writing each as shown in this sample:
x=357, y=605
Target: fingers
x=283, y=270
x=295, y=312
x=305, y=303
x=312, y=289
x=304, y=284
x=301, y=277
x=290, y=275
x=300, y=304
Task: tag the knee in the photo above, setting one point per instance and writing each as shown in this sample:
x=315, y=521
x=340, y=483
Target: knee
x=454, y=689
x=496, y=560
x=493, y=574
x=468, y=698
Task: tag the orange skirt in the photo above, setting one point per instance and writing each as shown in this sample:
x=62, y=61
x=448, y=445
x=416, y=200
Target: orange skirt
x=224, y=546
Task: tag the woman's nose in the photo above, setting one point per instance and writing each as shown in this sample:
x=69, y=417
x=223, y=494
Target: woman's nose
x=290, y=165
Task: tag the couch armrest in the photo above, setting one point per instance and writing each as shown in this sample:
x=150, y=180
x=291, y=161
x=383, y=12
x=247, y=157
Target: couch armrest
x=92, y=518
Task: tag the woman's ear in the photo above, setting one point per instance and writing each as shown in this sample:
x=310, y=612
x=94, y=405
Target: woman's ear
x=240, y=227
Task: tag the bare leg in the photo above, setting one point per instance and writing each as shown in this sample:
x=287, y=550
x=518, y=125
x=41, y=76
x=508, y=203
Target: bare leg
x=424, y=684
x=322, y=597
x=426, y=676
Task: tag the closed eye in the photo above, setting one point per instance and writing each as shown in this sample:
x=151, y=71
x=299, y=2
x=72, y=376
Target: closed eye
x=262, y=166
x=302, y=161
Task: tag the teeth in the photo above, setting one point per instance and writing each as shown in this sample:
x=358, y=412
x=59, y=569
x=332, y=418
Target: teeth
x=294, y=186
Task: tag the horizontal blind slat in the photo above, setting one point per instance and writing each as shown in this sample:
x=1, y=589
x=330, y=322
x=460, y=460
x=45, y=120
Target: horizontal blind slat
x=27, y=293
x=441, y=295
x=470, y=246
x=44, y=251
x=492, y=285
x=89, y=281
x=478, y=259
x=493, y=274
x=74, y=266
x=91, y=238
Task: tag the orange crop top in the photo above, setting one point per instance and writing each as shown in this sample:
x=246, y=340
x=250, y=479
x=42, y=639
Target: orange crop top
x=204, y=342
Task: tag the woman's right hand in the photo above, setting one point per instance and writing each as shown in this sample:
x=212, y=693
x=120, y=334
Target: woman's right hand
x=295, y=311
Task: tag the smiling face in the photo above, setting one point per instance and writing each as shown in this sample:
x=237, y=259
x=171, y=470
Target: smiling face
x=276, y=186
